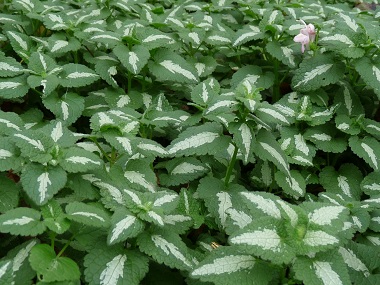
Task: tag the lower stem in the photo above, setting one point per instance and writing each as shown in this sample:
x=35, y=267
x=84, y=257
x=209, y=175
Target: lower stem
x=276, y=86
x=65, y=246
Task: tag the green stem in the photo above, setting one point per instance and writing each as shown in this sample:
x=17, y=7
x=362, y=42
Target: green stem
x=65, y=246
x=52, y=236
x=75, y=55
x=102, y=150
x=231, y=167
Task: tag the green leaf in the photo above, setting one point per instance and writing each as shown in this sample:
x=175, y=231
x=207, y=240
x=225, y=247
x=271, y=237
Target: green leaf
x=115, y=266
x=356, y=257
x=124, y=144
x=371, y=184
x=9, y=194
x=327, y=268
x=9, y=67
x=348, y=125
x=22, y=273
x=88, y=214
x=125, y=122
x=255, y=76
x=370, y=73
x=10, y=123
x=166, y=247
x=218, y=38
x=169, y=66
x=21, y=43
x=345, y=181
x=294, y=185
x=205, y=139
x=325, y=138
x=177, y=223
x=13, y=87
x=76, y=159
x=349, y=101
x=195, y=37
x=367, y=148
x=267, y=148
x=59, y=44
x=263, y=174
x=41, y=182
x=139, y=175
x=262, y=238
x=6, y=272
x=124, y=225
x=217, y=198
x=294, y=144
x=161, y=118
x=150, y=148
x=52, y=268
x=107, y=38
x=34, y=144
x=22, y=221
x=107, y=69
x=150, y=207
x=68, y=108
x=57, y=21
x=132, y=59
x=61, y=135
x=9, y=155
x=190, y=206
x=54, y=217
x=41, y=64
x=327, y=215
x=282, y=53
x=244, y=138
x=182, y=170
x=372, y=127
x=205, y=65
x=204, y=92
x=261, y=203
x=246, y=34
x=117, y=98
x=77, y=75
x=226, y=265
x=315, y=72
x=153, y=38
x=270, y=114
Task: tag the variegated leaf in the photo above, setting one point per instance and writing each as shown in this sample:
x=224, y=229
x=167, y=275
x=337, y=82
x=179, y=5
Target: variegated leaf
x=9, y=67
x=316, y=72
x=78, y=160
x=124, y=225
x=367, y=148
x=77, y=75
x=88, y=214
x=41, y=183
x=135, y=59
x=201, y=140
x=13, y=87
x=370, y=73
x=115, y=266
x=167, y=248
x=22, y=221
x=168, y=66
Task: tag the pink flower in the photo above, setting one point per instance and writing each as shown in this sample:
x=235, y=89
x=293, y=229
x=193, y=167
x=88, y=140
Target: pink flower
x=306, y=36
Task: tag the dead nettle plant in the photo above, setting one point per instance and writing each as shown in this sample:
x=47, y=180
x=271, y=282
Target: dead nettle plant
x=197, y=142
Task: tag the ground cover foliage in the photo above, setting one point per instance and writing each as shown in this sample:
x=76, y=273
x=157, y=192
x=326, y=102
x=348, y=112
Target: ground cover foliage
x=189, y=142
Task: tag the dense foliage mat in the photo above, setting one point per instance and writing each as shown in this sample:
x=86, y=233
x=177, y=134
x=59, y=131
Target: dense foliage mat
x=189, y=142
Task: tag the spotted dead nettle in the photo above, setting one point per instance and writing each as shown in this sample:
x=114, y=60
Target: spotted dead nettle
x=306, y=36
